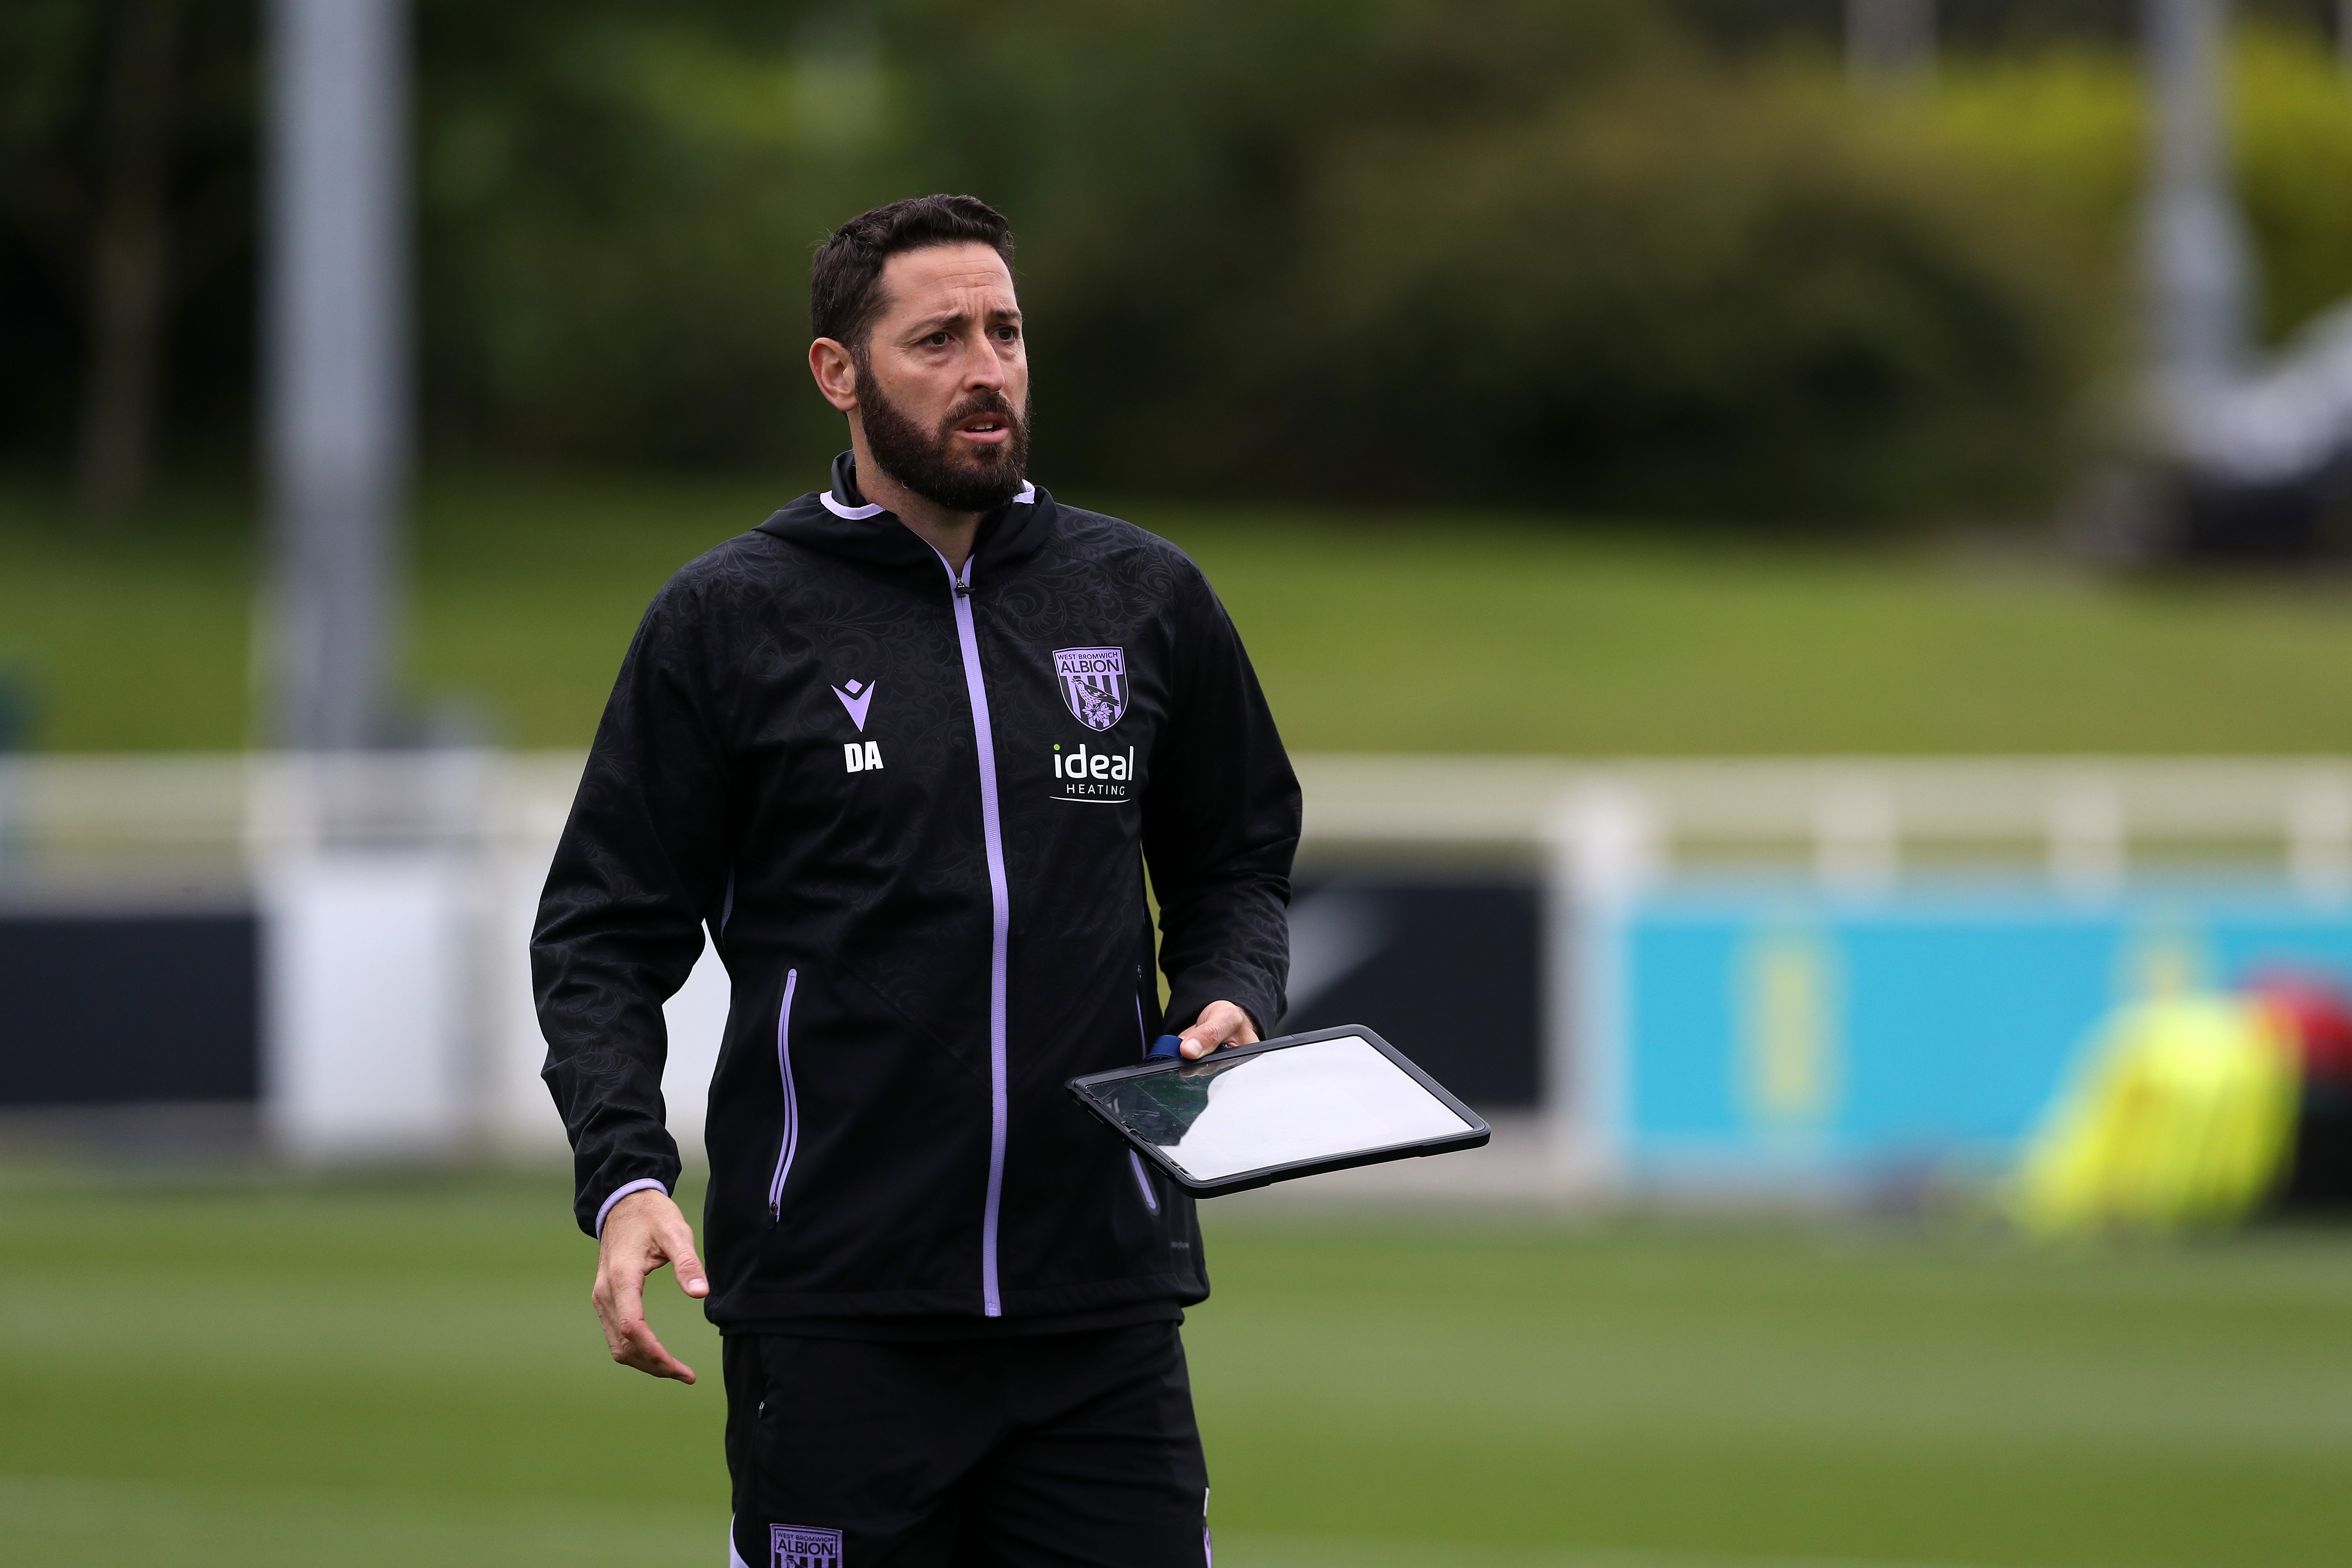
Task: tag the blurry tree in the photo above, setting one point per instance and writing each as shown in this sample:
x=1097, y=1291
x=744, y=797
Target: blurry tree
x=125, y=186
x=1982, y=26
x=619, y=204
x=2064, y=130
x=1472, y=250
x=1641, y=254
x=1475, y=248
x=1161, y=164
x=129, y=246
x=2294, y=154
x=1691, y=294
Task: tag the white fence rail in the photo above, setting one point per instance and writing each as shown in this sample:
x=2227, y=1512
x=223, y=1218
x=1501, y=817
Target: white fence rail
x=396, y=893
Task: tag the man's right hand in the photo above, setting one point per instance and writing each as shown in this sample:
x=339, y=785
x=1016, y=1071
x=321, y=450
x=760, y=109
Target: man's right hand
x=644, y=1231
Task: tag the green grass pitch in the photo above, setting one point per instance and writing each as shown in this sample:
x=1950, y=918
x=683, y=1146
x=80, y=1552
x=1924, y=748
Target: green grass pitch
x=1429, y=632
x=387, y=1372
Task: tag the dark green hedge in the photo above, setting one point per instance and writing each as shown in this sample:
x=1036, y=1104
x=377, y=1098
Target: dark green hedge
x=1486, y=249
x=1618, y=254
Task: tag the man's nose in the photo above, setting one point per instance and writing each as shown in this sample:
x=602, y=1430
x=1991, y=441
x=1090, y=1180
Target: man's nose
x=984, y=367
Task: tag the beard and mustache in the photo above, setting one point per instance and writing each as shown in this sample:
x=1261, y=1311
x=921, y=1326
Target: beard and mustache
x=927, y=462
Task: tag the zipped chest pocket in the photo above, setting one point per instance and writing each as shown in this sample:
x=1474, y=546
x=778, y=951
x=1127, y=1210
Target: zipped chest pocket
x=789, y=1138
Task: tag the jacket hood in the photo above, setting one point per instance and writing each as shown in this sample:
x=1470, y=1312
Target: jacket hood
x=842, y=522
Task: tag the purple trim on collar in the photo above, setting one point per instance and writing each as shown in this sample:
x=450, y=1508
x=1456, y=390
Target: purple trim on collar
x=869, y=510
x=1028, y=497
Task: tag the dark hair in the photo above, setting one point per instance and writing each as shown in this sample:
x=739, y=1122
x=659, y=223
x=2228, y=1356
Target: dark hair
x=845, y=278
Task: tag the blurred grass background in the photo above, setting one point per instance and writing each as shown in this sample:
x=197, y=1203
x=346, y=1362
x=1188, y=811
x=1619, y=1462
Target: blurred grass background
x=381, y=1373
x=1409, y=629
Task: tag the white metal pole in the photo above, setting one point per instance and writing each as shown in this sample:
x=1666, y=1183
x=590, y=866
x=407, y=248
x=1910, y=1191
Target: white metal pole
x=337, y=356
x=1890, y=43
x=2197, y=265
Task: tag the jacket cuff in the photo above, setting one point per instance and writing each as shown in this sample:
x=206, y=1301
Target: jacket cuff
x=621, y=1192
x=1188, y=997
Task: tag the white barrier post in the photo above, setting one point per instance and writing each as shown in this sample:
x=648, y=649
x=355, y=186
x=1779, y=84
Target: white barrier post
x=2088, y=841
x=1601, y=848
x=2319, y=836
x=368, y=870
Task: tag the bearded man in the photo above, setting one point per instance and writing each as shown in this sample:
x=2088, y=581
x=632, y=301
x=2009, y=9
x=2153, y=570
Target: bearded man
x=906, y=750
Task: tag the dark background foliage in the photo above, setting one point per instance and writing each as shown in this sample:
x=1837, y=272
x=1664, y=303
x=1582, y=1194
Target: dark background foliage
x=1589, y=253
x=55, y=62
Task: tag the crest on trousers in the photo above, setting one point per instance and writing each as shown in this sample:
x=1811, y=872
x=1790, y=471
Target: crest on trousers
x=791, y=1546
x=1094, y=684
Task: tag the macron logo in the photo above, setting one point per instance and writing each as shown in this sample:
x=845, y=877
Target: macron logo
x=856, y=700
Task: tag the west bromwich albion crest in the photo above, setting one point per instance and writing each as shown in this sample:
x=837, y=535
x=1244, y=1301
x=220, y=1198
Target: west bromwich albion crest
x=1094, y=684
x=795, y=1546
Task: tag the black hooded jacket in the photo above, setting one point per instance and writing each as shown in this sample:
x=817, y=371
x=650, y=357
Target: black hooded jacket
x=914, y=812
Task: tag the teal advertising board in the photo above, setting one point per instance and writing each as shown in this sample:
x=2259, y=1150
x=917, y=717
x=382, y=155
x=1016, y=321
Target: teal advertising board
x=1762, y=1028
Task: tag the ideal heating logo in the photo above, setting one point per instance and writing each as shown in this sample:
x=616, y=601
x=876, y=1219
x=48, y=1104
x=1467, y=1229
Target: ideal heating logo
x=1091, y=775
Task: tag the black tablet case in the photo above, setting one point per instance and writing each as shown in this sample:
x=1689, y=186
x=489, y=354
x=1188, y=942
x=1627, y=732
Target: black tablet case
x=1475, y=1136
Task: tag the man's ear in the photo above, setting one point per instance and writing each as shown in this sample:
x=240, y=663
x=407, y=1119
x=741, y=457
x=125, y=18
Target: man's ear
x=835, y=372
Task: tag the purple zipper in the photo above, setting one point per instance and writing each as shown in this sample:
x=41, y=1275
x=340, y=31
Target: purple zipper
x=1151, y=1198
x=992, y=831
x=791, y=1099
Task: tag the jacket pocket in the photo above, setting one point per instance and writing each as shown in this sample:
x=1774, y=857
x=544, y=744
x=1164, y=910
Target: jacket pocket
x=788, y=1140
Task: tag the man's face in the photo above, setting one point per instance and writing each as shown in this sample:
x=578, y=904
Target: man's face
x=943, y=382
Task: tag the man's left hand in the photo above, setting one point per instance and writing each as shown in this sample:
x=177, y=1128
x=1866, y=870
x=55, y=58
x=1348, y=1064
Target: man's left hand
x=1219, y=1024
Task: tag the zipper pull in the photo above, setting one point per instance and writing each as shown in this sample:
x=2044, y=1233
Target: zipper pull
x=963, y=588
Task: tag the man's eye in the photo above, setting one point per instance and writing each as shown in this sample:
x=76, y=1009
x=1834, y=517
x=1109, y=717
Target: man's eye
x=937, y=340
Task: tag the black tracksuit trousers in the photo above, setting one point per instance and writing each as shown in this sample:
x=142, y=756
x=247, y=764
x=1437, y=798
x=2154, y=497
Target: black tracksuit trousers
x=1057, y=1450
